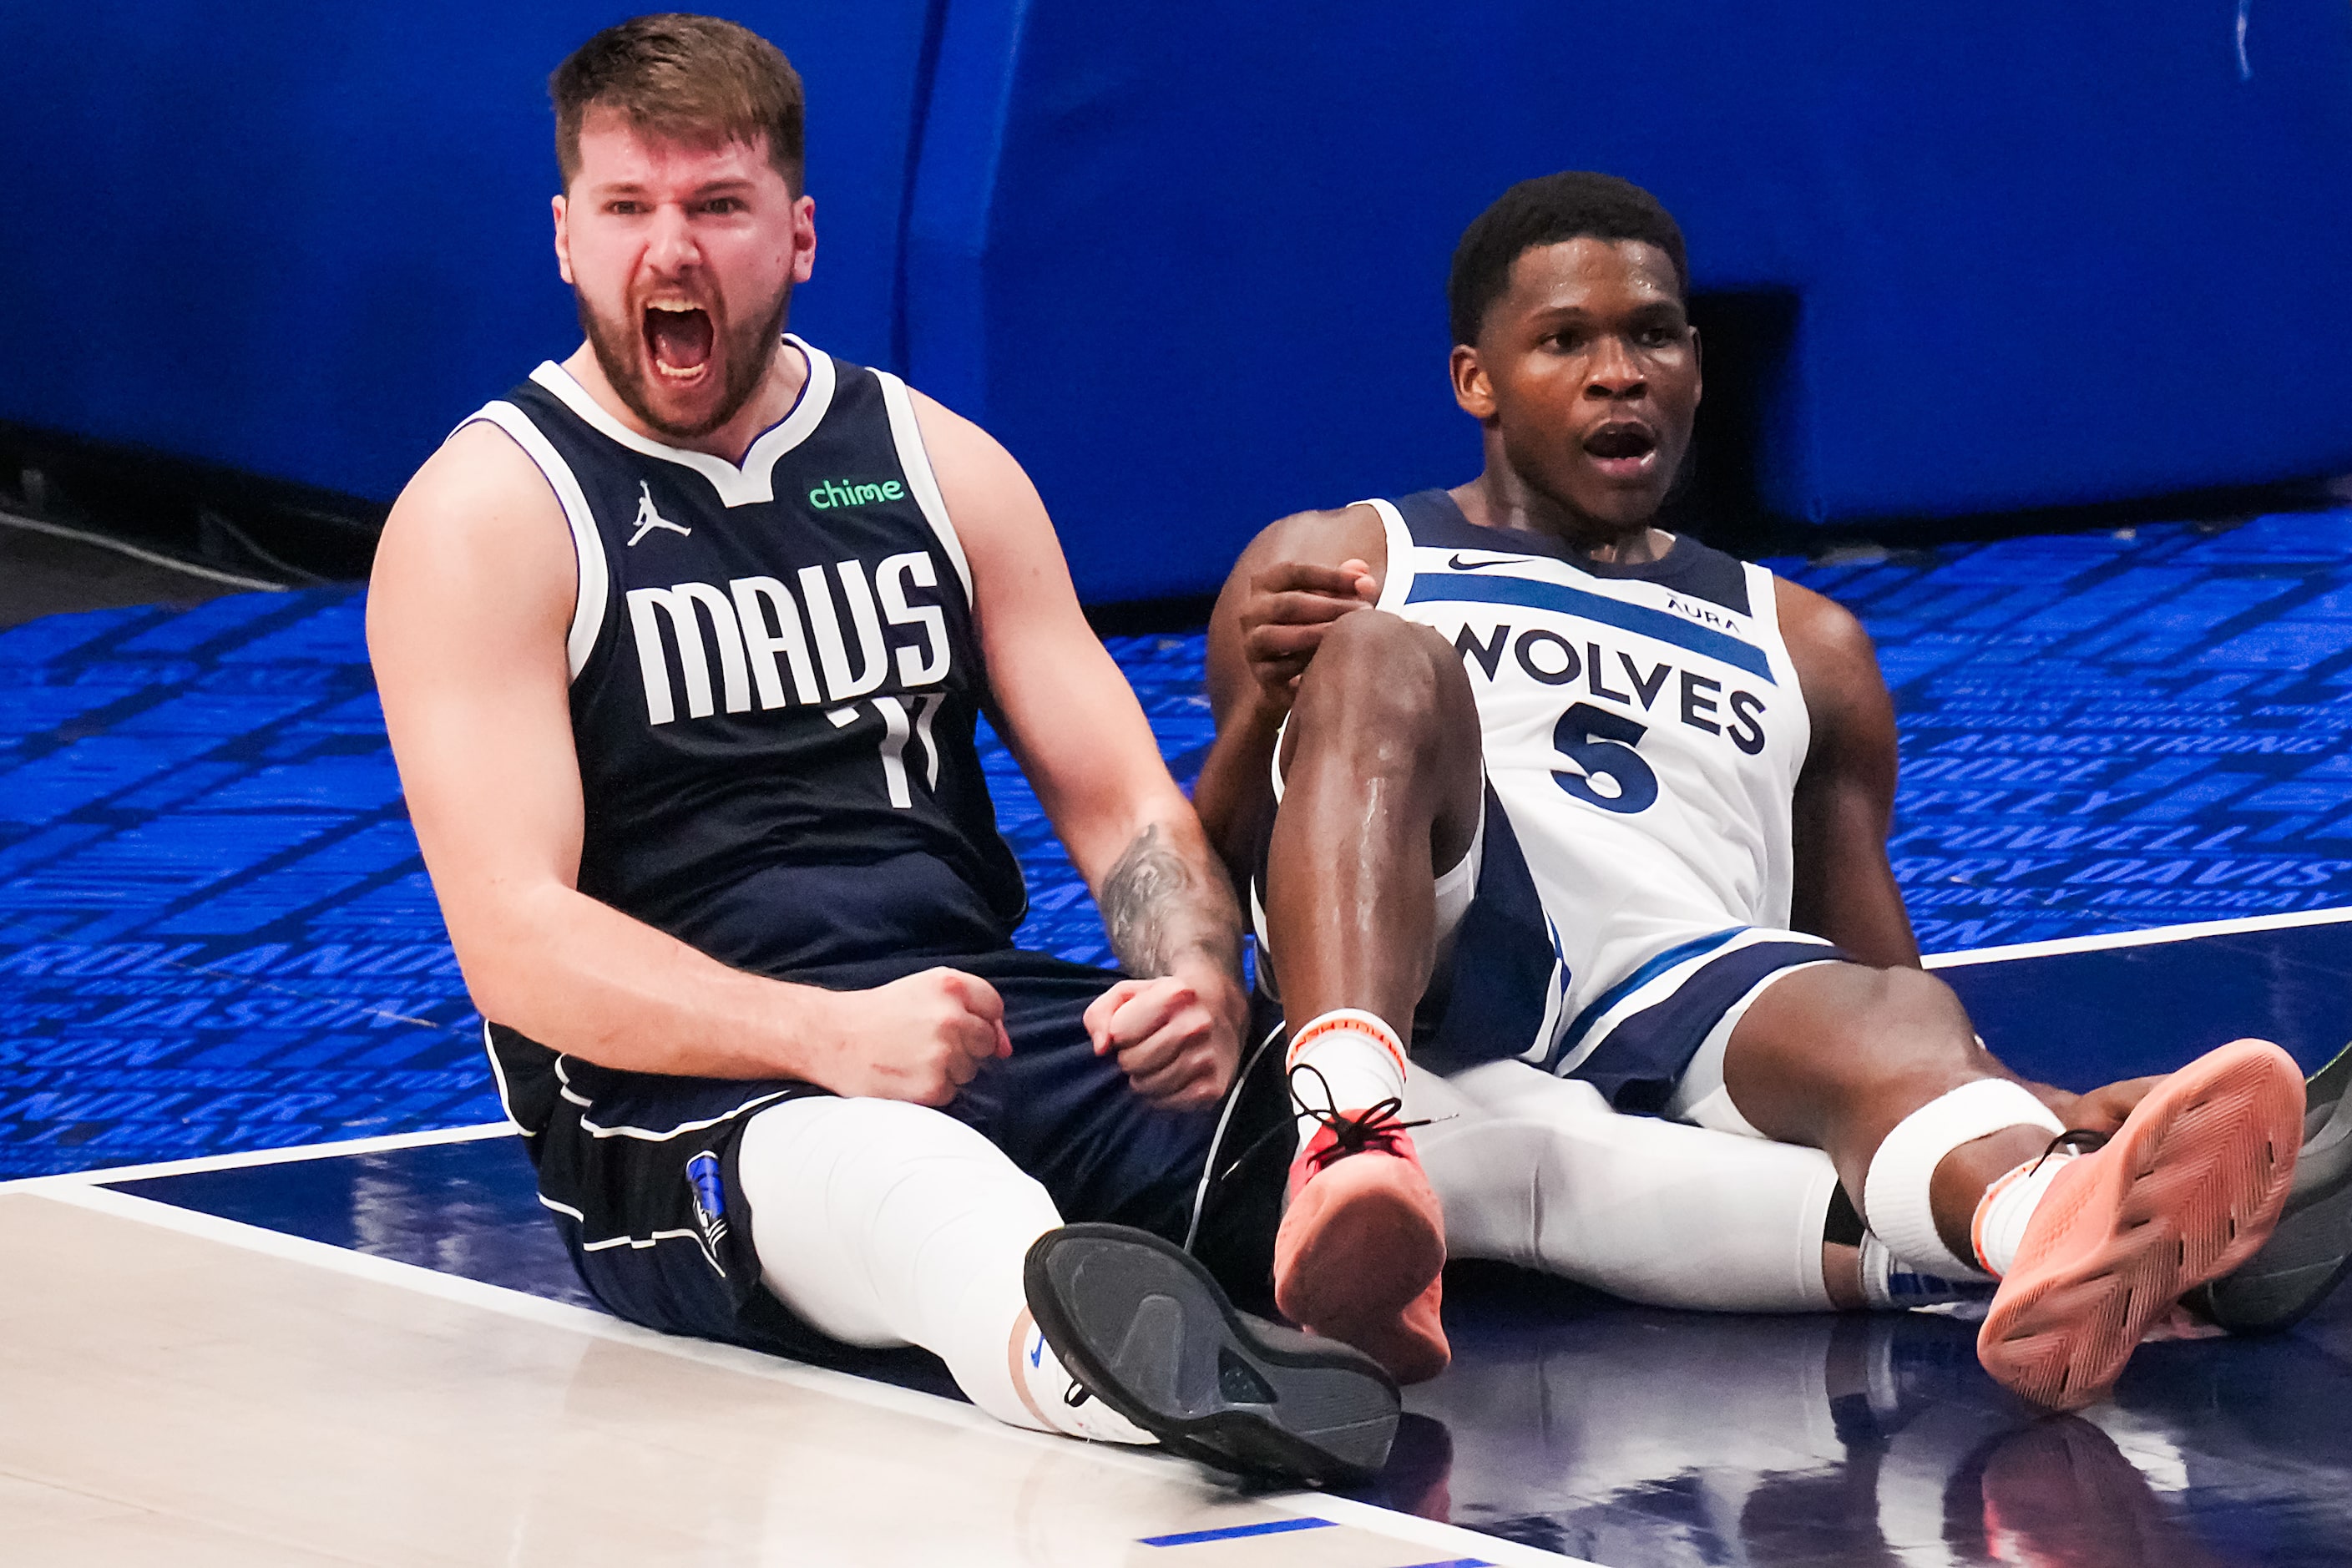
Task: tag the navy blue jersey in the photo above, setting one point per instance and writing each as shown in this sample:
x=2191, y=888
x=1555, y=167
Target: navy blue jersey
x=775, y=681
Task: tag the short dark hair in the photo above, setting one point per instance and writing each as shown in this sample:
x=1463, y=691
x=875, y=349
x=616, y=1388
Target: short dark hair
x=692, y=77
x=1547, y=210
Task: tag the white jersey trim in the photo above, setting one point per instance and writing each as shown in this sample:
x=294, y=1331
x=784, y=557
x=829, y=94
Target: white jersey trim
x=1648, y=986
x=663, y=1134
x=1396, y=579
x=499, y=1076
x=755, y=479
x=1764, y=610
x=915, y=459
x=587, y=544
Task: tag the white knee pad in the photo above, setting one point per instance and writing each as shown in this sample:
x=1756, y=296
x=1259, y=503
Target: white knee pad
x=1538, y=1171
x=1895, y=1193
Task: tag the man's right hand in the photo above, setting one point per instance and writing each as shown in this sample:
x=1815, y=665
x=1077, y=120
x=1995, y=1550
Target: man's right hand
x=1289, y=607
x=920, y=1038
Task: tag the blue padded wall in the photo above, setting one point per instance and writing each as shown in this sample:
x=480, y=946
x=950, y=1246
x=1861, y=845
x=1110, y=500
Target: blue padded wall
x=306, y=240
x=1188, y=261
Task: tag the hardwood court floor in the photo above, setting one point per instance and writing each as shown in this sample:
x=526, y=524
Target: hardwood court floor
x=176, y=1397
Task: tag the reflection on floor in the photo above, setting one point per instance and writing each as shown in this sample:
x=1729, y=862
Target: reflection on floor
x=1640, y=1438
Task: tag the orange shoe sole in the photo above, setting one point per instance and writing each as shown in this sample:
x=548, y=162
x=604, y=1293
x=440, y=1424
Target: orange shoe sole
x=2187, y=1190
x=1361, y=1257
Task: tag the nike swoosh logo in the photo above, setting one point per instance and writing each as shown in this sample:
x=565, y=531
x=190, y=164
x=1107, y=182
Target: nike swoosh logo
x=1455, y=563
x=1037, y=1352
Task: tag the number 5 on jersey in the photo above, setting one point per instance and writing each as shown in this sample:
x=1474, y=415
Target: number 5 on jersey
x=1600, y=743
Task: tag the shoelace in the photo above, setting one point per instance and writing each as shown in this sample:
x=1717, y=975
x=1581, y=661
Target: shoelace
x=1375, y=1127
x=2074, y=1140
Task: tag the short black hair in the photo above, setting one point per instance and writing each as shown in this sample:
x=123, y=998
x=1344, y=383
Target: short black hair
x=1547, y=210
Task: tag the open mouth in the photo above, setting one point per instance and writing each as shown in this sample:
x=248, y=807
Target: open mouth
x=678, y=338
x=1622, y=449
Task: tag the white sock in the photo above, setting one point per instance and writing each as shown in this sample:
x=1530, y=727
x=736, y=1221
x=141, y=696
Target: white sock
x=1060, y=1399
x=1354, y=1061
x=2008, y=1206
x=1895, y=1199
x=1888, y=1282
x=882, y=1223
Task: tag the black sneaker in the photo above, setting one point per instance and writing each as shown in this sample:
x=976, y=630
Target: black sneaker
x=1146, y=1330
x=2311, y=1250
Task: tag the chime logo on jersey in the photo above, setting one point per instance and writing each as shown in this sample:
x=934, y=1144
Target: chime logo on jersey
x=702, y=1179
x=821, y=639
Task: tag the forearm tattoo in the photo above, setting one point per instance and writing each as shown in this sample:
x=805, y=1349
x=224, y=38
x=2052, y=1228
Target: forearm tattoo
x=1157, y=907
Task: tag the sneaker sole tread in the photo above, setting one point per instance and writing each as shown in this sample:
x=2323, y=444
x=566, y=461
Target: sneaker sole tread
x=2187, y=1190
x=1143, y=1326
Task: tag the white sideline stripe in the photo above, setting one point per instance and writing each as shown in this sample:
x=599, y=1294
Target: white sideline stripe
x=2151, y=937
x=561, y=1315
x=286, y=1156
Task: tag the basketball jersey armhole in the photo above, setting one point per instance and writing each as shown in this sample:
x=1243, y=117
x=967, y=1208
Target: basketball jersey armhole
x=587, y=545
x=1396, y=577
x=1764, y=600
x=915, y=461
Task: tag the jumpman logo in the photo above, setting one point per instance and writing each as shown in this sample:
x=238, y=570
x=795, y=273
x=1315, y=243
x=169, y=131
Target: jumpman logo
x=647, y=519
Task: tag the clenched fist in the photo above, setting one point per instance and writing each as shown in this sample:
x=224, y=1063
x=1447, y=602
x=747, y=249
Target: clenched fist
x=1177, y=1042
x=1291, y=605
x=920, y=1038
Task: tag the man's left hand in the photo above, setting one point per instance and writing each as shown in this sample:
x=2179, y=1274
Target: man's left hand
x=1178, y=1042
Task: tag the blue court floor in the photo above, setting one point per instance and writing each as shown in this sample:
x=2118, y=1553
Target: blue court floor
x=216, y=936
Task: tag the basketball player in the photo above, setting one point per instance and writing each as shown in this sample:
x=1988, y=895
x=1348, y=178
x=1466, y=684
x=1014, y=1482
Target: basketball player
x=681, y=647
x=1596, y=817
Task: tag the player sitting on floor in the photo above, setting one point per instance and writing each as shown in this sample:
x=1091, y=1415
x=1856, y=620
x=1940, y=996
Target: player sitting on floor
x=1596, y=817
x=681, y=647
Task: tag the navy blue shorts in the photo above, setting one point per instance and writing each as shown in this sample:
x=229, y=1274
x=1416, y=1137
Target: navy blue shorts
x=1499, y=988
x=638, y=1169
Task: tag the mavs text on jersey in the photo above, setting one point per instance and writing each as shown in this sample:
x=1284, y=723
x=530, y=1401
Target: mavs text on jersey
x=775, y=681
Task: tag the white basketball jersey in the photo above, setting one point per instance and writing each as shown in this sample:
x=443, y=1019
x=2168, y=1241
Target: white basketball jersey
x=1642, y=727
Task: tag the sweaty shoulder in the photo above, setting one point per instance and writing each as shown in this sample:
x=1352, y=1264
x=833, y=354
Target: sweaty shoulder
x=997, y=513
x=1320, y=539
x=477, y=523
x=1836, y=663
x=969, y=462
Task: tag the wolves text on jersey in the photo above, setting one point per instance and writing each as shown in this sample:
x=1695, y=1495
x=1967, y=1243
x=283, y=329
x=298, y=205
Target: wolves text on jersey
x=786, y=644
x=1699, y=701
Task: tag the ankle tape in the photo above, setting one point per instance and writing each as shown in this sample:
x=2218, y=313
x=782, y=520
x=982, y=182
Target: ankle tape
x=1895, y=1193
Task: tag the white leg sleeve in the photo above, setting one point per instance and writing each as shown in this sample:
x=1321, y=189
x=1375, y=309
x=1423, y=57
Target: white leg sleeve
x=883, y=1223
x=1538, y=1171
